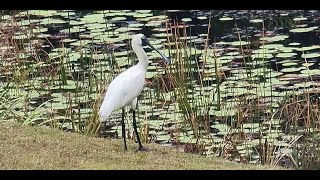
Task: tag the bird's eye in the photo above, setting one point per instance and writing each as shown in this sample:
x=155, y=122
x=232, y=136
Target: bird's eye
x=144, y=41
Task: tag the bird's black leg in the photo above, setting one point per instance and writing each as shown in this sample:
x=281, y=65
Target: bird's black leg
x=141, y=148
x=123, y=130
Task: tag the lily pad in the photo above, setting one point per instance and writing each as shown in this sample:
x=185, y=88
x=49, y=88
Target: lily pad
x=239, y=43
x=286, y=55
x=256, y=20
x=302, y=30
x=310, y=55
x=271, y=46
x=300, y=19
x=225, y=19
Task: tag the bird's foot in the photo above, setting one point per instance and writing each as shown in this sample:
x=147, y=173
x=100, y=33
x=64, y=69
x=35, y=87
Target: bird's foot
x=141, y=148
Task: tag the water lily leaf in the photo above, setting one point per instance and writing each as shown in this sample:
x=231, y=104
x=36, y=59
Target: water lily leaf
x=239, y=43
x=300, y=19
x=225, y=19
x=294, y=44
x=271, y=46
x=202, y=17
x=256, y=20
x=292, y=69
x=309, y=48
x=285, y=55
x=186, y=19
x=274, y=38
x=302, y=30
x=310, y=55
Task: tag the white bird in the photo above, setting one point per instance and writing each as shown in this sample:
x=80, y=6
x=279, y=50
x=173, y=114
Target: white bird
x=127, y=86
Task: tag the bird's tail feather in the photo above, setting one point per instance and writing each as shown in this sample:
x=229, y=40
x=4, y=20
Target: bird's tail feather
x=104, y=112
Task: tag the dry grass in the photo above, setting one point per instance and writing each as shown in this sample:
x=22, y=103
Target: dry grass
x=27, y=147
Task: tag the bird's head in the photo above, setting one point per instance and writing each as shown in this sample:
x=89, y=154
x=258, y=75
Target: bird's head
x=142, y=40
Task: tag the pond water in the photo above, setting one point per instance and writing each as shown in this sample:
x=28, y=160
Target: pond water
x=242, y=85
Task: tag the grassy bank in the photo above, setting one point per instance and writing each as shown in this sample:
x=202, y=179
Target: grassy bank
x=27, y=147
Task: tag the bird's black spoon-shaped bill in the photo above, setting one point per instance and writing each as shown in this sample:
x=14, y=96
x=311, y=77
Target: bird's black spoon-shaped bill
x=165, y=58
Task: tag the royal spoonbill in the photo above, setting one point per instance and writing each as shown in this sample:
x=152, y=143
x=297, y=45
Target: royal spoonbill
x=127, y=86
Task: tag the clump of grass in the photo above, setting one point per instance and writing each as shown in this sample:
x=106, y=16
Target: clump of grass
x=192, y=106
x=300, y=114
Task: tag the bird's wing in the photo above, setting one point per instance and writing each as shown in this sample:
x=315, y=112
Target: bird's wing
x=122, y=91
x=133, y=85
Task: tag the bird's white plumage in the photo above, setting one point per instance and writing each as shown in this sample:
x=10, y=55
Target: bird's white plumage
x=122, y=91
x=127, y=86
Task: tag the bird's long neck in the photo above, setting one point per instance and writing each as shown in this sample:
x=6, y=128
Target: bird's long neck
x=142, y=56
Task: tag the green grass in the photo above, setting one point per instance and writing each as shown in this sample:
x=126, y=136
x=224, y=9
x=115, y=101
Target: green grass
x=28, y=147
